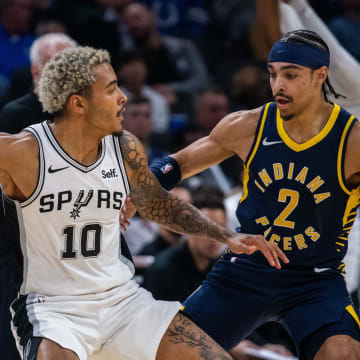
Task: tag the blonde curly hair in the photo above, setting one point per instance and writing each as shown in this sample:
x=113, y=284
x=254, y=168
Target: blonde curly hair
x=69, y=72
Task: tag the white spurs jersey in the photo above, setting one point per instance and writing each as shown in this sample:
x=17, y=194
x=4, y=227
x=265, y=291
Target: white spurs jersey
x=69, y=229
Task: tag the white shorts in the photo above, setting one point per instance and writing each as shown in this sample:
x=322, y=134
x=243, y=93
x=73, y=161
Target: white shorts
x=124, y=323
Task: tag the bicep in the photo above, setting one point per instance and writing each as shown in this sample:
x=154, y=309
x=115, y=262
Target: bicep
x=200, y=155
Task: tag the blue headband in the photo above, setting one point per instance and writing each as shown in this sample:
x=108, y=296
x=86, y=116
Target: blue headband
x=304, y=55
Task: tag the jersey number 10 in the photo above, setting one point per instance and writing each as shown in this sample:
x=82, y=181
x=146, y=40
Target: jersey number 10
x=87, y=232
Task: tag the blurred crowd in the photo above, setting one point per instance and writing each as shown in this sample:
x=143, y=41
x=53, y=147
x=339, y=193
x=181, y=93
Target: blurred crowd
x=183, y=65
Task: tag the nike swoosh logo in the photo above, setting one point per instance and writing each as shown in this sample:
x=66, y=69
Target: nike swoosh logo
x=268, y=143
x=51, y=170
x=319, y=270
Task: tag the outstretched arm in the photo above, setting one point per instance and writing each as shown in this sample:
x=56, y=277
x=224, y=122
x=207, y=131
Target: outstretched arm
x=156, y=204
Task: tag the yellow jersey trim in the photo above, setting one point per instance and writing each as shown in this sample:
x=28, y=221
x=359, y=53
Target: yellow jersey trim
x=253, y=152
x=314, y=140
x=340, y=155
x=352, y=312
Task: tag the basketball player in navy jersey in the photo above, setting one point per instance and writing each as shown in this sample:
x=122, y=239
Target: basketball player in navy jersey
x=64, y=184
x=301, y=189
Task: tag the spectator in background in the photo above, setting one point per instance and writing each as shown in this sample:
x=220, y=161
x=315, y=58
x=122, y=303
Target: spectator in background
x=15, y=40
x=27, y=110
x=250, y=88
x=165, y=238
x=180, y=18
x=346, y=27
x=48, y=26
x=181, y=269
x=138, y=119
x=114, y=13
x=211, y=105
x=132, y=72
x=22, y=80
x=175, y=65
x=3, y=87
x=85, y=22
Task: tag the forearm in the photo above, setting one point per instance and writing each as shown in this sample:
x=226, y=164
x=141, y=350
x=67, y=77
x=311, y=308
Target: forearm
x=177, y=215
x=268, y=15
x=158, y=205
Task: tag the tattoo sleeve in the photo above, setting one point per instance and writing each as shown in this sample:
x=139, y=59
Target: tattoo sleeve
x=156, y=204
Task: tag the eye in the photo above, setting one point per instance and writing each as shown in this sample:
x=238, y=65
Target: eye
x=291, y=76
x=272, y=75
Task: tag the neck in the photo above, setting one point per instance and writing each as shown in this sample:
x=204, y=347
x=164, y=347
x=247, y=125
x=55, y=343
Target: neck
x=309, y=122
x=81, y=143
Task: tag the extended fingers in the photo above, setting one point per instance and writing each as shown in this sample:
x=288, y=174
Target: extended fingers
x=281, y=254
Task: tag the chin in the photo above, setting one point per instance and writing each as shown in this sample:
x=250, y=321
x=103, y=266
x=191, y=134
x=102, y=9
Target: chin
x=286, y=116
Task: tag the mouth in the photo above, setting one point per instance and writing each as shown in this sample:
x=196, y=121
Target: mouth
x=121, y=112
x=282, y=102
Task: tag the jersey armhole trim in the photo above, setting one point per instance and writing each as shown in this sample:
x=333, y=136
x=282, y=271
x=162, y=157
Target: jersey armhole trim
x=341, y=156
x=120, y=161
x=41, y=172
x=352, y=312
x=253, y=150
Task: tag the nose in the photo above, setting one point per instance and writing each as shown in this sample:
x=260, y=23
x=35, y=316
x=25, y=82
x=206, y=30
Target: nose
x=122, y=99
x=278, y=85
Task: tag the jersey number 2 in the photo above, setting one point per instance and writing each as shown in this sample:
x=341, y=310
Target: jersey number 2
x=86, y=251
x=284, y=194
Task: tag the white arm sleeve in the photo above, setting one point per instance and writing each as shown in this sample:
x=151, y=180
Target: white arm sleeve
x=344, y=72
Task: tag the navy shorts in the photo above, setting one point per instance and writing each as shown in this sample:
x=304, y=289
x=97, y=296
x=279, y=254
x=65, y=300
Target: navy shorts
x=236, y=298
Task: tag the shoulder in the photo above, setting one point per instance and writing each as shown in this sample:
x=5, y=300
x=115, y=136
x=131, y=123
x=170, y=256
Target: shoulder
x=236, y=126
x=18, y=147
x=352, y=154
x=353, y=143
x=129, y=142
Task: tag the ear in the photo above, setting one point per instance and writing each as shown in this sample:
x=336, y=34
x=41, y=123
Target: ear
x=77, y=104
x=322, y=74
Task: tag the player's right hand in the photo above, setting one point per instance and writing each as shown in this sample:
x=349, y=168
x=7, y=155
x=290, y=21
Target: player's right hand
x=127, y=211
x=248, y=244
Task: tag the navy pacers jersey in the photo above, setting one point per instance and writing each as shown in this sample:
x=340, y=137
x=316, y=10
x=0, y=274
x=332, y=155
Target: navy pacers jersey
x=295, y=194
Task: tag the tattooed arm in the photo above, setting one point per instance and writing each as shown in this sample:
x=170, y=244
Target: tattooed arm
x=156, y=204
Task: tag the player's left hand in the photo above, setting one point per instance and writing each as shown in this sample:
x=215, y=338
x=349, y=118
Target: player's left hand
x=127, y=211
x=248, y=244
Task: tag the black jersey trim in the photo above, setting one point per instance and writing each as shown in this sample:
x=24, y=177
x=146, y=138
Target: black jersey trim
x=62, y=153
x=41, y=172
x=17, y=233
x=120, y=160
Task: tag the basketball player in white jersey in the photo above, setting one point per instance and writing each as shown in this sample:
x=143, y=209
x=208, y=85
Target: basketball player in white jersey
x=64, y=184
